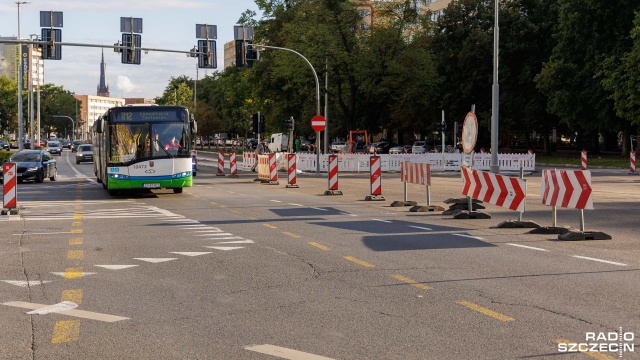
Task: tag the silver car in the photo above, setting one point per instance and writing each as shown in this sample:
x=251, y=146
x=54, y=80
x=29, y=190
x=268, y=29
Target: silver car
x=54, y=147
x=84, y=153
x=420, y=147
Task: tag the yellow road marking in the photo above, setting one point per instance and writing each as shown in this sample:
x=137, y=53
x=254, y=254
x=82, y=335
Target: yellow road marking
x=270, y=226
x=66, y=331
x=291, y=234
x=359, y=262
x=319, y=246
x=223, y=206
x=410, y=282
x=76, y=223
x=235, y=212
x=485, y=311
x=77, y=217
x=75, y=241
x=76, y=231
x=73, y=273
x=75, y=254
x=213, y=203
x=594, y=355
x=72, y=295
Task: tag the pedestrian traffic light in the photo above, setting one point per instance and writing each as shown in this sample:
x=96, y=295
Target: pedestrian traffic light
x=254, y=122
x=261, y=124
x=50, y=51
x=240, y=54
x=131, y=44
x=289, y=123
x=207, y=54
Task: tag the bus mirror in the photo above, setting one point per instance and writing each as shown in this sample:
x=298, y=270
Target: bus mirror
x=99, y=126
x=194, y=126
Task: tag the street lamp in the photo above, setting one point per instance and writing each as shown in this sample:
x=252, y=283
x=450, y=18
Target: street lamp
x=73, y=124
x=20, y=115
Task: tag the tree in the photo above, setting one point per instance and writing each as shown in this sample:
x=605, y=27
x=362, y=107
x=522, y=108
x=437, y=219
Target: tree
x=8, y=104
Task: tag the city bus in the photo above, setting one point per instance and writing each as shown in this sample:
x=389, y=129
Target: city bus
x=143, y=147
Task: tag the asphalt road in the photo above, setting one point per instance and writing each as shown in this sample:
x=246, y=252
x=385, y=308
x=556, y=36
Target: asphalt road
x=235, y=269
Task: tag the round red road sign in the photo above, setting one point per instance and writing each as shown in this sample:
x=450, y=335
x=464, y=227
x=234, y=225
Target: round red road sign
x=318, y=123
x=469, y=133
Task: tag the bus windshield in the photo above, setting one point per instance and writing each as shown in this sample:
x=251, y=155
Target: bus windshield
x=143, y=141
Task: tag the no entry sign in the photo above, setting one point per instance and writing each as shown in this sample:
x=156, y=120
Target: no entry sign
x=318, y=123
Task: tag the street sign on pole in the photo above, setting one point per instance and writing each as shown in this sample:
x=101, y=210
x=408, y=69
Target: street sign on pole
x=469, y=133
x=318, y=123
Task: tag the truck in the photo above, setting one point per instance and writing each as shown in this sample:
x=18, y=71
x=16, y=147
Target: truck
x=279, y=142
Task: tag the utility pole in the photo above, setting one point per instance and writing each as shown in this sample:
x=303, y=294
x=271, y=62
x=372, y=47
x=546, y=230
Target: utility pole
x=495, y=103
x=20, y=65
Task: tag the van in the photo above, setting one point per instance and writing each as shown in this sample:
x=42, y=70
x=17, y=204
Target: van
x=279, y=142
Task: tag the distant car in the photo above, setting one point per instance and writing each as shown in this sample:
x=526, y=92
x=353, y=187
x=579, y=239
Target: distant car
x=306, y=145
x=400, y=149
x=381, y=147
x=194, y=162
x=4, y=145
x=75, y=144
x=66, y=144
x=338, y=146
x=34, y=165
x=84, y=153
x=420, y=147
x=54, y=147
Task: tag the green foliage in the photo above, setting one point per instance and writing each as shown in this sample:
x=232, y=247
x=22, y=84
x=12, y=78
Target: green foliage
x=4, y=155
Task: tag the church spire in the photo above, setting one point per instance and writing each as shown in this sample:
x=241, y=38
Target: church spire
x=103, y=88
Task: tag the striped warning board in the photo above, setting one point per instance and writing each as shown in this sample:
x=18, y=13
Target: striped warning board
x=567, y=188
x=504, y=191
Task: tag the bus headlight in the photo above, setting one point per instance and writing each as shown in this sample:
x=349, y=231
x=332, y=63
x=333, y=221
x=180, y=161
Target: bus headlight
x=118, y=176
x=181, y=175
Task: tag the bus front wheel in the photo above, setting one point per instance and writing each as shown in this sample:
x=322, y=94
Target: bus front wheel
x=177, y=190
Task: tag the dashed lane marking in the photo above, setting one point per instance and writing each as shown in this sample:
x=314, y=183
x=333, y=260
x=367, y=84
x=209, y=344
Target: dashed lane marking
x=484, y=311
x=155, y=260
x=270, y=226
x=74, y=296
x=359, y=262
x=600, y=260
x=421, y=228
x=319, y=246
x=194, y=253
x=66, y=331
x=284, y=353
x=384, y=221
x=224, y=248
x=116, y=267
x=74, y=312
x=291, y=234
x=469, y=236
x=410, y=282
x=26, y=283
x=528, y=247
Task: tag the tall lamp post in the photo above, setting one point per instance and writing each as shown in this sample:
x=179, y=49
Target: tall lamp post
x=20, y=115
x=495, y=102
x=73, y=124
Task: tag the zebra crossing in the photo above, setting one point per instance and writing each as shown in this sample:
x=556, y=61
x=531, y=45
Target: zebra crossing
x=63, y=210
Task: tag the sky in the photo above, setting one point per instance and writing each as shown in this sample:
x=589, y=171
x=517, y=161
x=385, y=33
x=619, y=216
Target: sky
x=167, y=25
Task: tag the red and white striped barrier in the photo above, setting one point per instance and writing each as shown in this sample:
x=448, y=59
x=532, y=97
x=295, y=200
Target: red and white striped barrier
x=530, y=152
x=632, y=164
x=375, y=179
x=584, y=160
x=273, y=169
x=504, y=191
x=413, y=173
x=232, y=164
x=248, y=159
x=220, y=164
x=568, y=189
x=9, y=188
x=291, y=171
x=333, y=176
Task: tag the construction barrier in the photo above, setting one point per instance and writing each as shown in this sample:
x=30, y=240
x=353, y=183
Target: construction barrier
x=504, y=191
x=291, y=171
x=273, y=169
x=9, y=199
x=375, y=180
x=632, y=165
x=248, y=160
x=264, y=173
x=419, y=174
x=583, y=157
x=232, y=164
x=333, y=176
x=220, y=164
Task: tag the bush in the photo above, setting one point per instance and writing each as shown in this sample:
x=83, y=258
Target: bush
x=4, y=154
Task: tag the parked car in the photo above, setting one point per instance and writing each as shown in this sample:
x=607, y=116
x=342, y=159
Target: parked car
x=420, y=147
x=306, y=145
x=84, y=153
x=4, y=145
x=338, y=146
x=75, y=144
x=66, y=144
x=54, y=147
x=34, y=165
x=400, y=149
x=26, y=144
x=381, y=147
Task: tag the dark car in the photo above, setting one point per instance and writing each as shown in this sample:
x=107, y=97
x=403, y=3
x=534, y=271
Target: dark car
x=54, y=147
x=66, y=144
x=26, y=144
x=35, y=165
x=381, y=147
x=306, y=145
x=84, y=153
x=4, y=145
x=252, y=144
x=75, y=144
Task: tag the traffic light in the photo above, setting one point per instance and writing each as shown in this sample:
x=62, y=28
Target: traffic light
x=458, y=128
x=131, y=54
x=261, y=124
x=240, y=54
x=254, y=122
x=440, y=126
x=50, y=51
x=207, y=54
x=289, y=123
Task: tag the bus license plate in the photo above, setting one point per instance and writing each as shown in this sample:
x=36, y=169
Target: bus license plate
x=151, y=186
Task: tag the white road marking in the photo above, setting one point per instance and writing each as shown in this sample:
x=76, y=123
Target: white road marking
x=226, y=248
x=600, y=260
x=62, y=306
x=208, y=229
x=384, y=221
x=295, y=204
x=116, y=267
x=236, y=242
x=77, y=313
x=226, y=238
x=421, y=228
x=275, y=201
x=194, y=253
x=284, y=353
x=74, y=274
x=353, y=215
x=321, y=209
x=26, y=283
x=469, y=236
x=194, y=226
x=215, y=234
x=155, y=260
x=528, y=247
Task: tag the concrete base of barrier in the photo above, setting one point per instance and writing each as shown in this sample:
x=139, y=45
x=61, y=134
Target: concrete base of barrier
x=583, y=235
x=374, y=198
x=516, y=224
x=403, y=203
x=333, y=192
x=293, y=186
x=462, y=206
x=471, y=215
x=233, y=176
x=272, y=182
x=426, y=208
x=257, y=179
x=550, y=230
x=220, y=174
x=461, y=200
x=14, y=211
